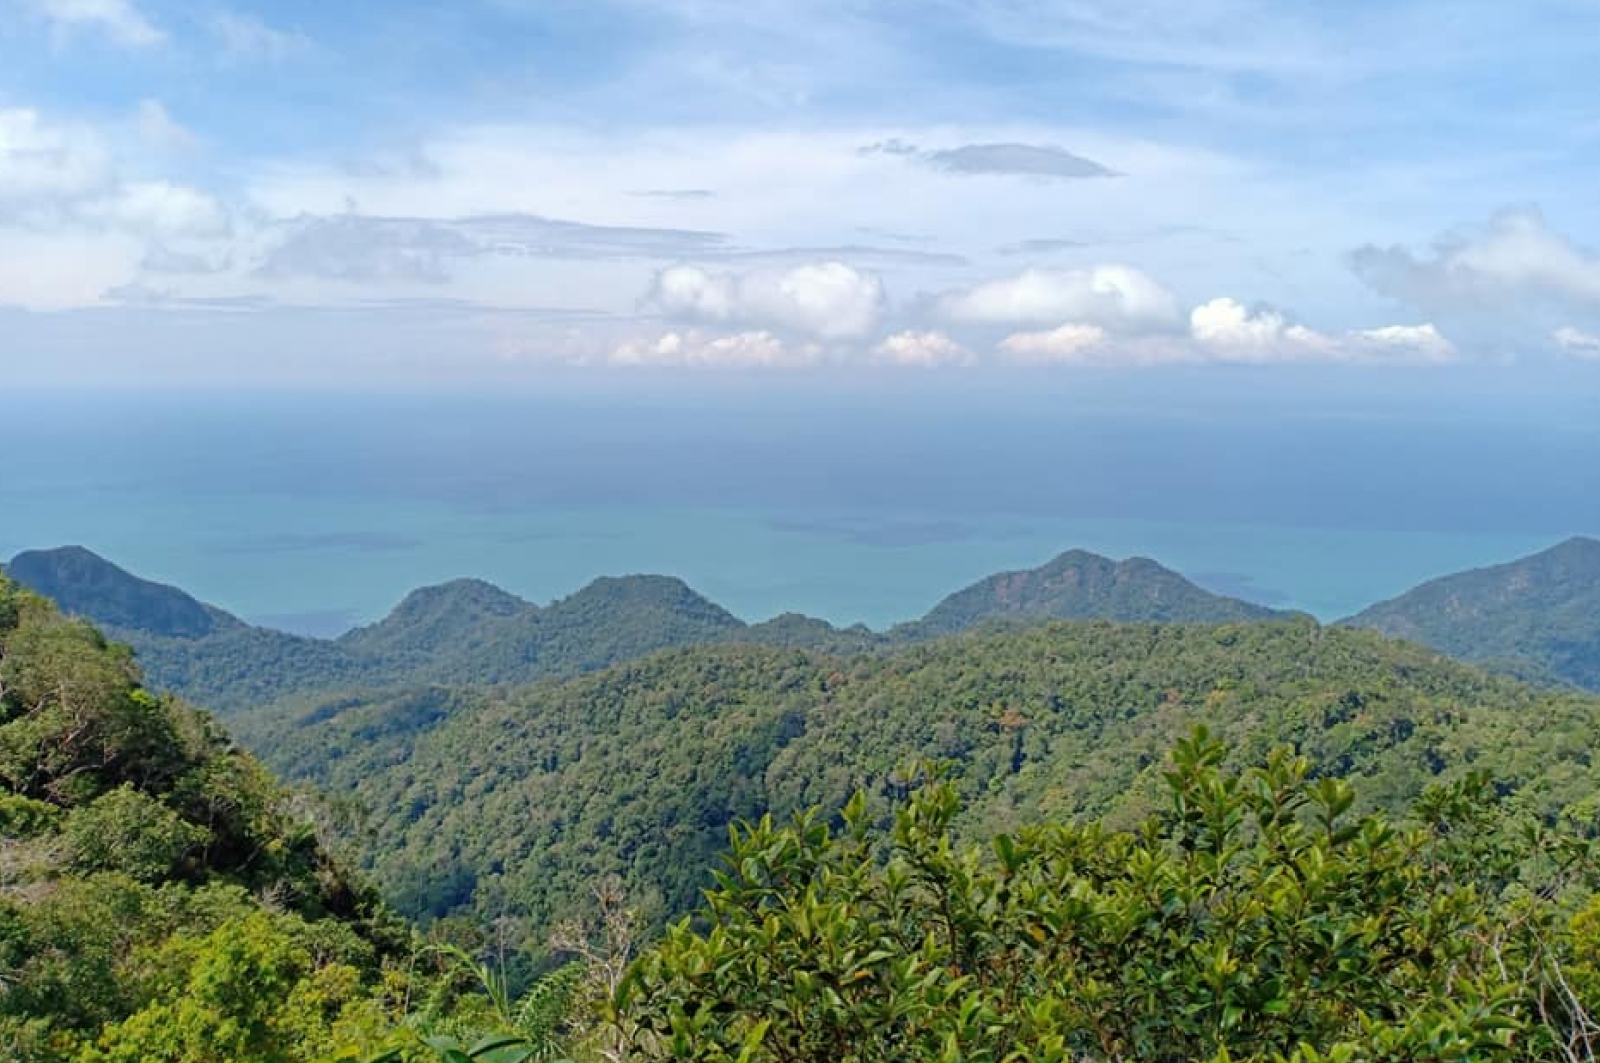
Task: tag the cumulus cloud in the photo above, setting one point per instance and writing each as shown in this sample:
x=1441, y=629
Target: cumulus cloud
x=1069, y=344
x=1109, y=296
x=1514, y=256
x=1225, y=330
x=55, y=176
x=119, y=20
x=826, y=299
x=921, y=349
x=1577, y=343
x=693, y=349
x=42, y=164
x=1011, y=160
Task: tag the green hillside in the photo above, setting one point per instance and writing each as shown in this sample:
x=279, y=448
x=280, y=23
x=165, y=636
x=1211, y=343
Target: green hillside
x=163, y=901
x=1538, y=617
x=509, y=802
x=158, y=891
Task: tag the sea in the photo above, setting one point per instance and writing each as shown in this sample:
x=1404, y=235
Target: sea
x=853, y=497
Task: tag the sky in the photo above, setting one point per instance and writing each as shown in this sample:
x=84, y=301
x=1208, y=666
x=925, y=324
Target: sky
x=501, y=189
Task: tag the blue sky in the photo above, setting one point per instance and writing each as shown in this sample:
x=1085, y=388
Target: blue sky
x=493, y=189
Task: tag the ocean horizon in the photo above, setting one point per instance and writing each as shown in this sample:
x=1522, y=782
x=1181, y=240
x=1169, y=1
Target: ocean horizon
x=316, y=512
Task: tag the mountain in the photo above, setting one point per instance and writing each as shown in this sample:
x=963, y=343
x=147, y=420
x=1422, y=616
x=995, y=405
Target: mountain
x=1538, y=617
x=482, y=799
x=468, y=632
x=184, y=645
x=1079, y=585
x=83, y=583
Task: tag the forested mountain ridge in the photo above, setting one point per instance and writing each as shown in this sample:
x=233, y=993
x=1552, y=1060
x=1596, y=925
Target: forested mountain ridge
x=499, y=803
x=470, y=632
x=1537, y=617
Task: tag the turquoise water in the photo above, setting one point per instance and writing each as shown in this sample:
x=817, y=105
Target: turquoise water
x=316, y=512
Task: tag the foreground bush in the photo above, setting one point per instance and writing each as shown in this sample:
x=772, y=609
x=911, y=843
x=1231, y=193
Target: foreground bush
x=1254, y=919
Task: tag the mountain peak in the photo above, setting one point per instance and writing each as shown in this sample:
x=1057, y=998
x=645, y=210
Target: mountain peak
x=1538, y=616
x=1577, y=546
x=430, y=618
x=474, y=595
x=1082, y=585
x=645, y=591
x=83, y=583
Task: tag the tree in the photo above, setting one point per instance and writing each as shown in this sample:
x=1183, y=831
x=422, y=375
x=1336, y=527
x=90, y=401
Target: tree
x=1253, y=918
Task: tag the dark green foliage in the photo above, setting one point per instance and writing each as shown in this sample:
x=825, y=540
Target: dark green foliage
x=1253, y=917
x=1538, y=618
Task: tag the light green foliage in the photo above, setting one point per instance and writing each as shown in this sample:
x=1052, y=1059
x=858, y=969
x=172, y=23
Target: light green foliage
x=1254, y=918
x=248, y=992
x=130, y=832
x=157, y=899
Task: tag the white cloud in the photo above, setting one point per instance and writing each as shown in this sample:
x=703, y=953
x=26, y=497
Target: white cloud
x=119, y=20
x=690, y=291
x=158, y=208
x=1111, y=296
x=1515, y=255
x=1413, y=344
x=244, y=36
x=1584, y=346
x=1065, y=345
x=696, y=350
x=924, y=349
x=1229, y=332
x=1226, y=329
x=53, y=176
x=826, y=299
x=40, y=165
